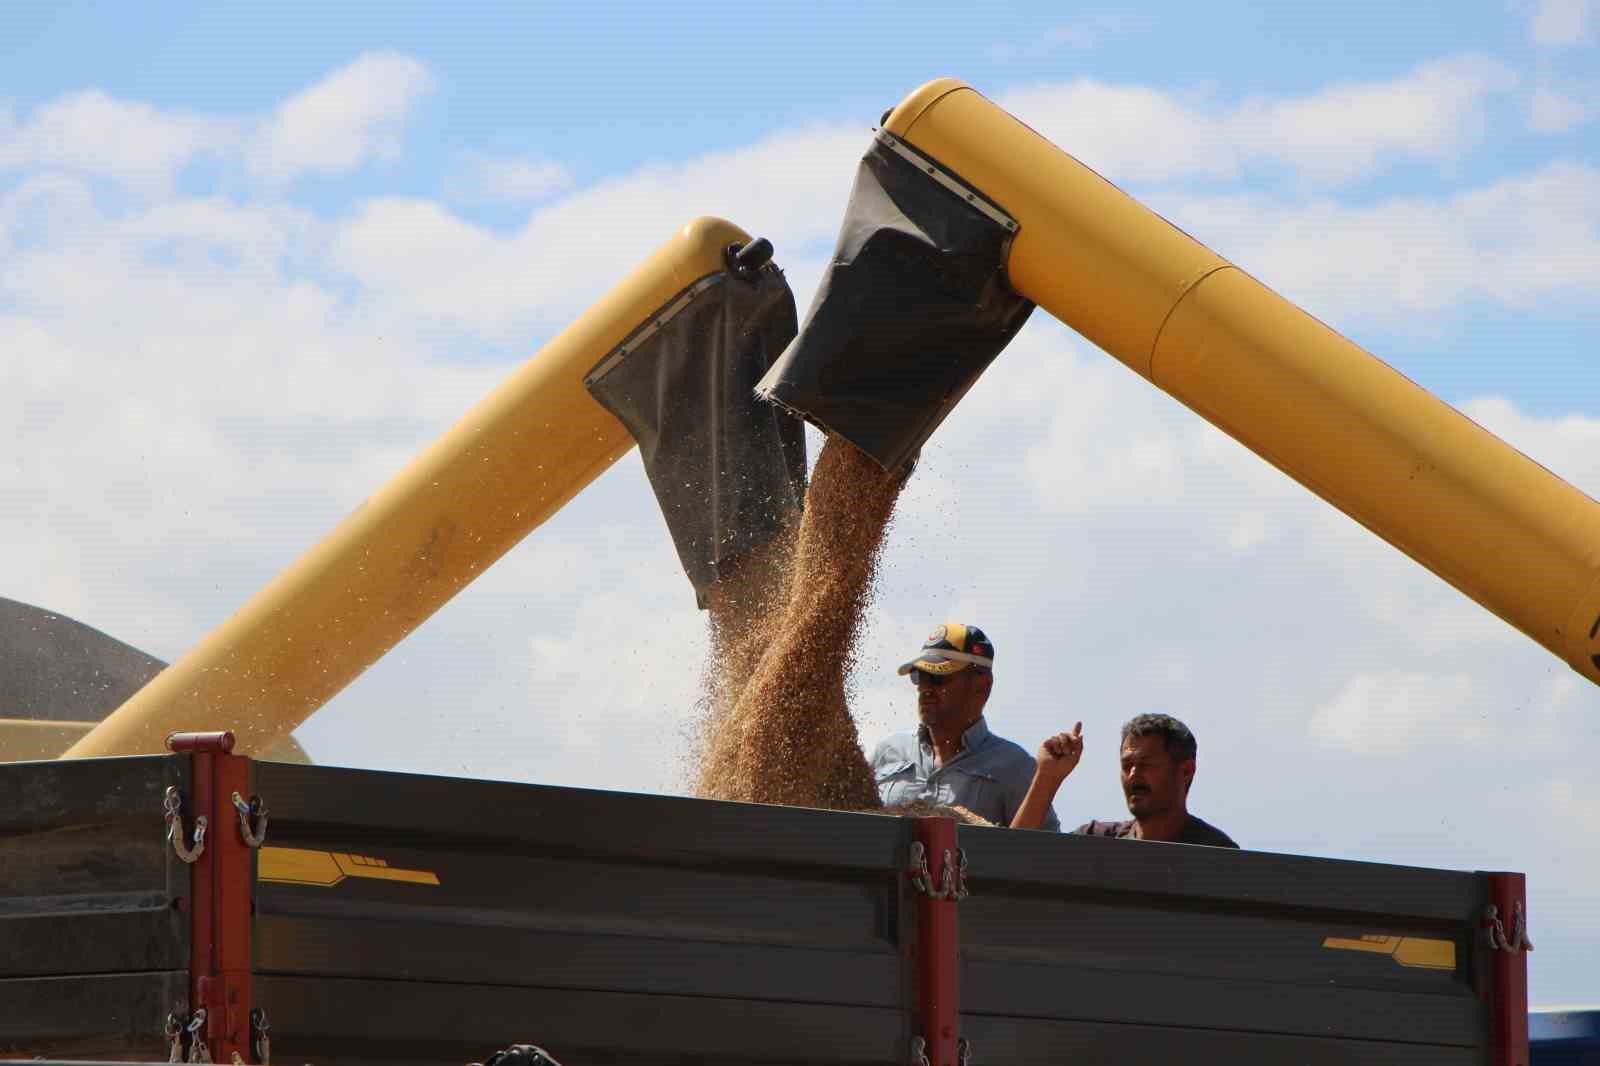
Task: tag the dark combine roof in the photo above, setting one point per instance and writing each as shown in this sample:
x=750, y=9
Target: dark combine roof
x=60, y=670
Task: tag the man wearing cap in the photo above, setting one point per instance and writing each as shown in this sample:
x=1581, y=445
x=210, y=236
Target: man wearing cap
x=952, y=759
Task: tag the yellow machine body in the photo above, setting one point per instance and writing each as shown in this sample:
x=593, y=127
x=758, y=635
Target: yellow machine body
x=1496, y=525
x=27, y=739
x=513, y=461
x=30, y=739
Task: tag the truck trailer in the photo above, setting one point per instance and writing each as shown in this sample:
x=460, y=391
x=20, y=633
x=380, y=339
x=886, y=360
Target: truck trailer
x=345, y=917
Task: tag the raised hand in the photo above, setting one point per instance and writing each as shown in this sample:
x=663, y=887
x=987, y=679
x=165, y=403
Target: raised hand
x=1058, y=755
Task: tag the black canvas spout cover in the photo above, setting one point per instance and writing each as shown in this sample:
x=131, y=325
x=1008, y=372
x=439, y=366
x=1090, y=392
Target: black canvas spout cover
x=727, y=470
x=913, y=307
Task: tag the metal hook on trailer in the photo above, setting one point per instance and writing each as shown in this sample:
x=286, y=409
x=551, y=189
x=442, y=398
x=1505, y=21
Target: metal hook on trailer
x=198, y=1052
x=262, y=1049
x=952, y=880
x=1495, y=930
x=255, y=810
x=174, y=1032
x=172, y=808
x=921, y=879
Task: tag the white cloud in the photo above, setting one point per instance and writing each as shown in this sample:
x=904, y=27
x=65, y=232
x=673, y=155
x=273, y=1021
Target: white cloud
x=1352, y=130
x=1393, y=713
x=1574, y=804
x=393, y=244
x=353, y=116
x=1095, y=28
x=1337, y=134
x=1517, y=241
x=648, y=677
x=90, y=132
x=263, y=370
x=1128, y=133
x=1554, y=109
x=1562, y=23
x=484, y=179
x=1089, y=29
x=789, y=186
x=417, y=255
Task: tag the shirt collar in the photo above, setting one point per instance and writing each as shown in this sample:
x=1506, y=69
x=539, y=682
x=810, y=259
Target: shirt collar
x=971, y=740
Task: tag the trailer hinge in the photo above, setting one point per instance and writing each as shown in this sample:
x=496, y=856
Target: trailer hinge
x=952, y=883
x=1495, y=930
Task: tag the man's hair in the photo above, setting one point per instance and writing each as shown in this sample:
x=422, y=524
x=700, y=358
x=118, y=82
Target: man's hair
x=1179, y=742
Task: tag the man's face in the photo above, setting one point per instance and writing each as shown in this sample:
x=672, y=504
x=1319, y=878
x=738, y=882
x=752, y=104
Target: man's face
x=1153, y=782
x=951, y=702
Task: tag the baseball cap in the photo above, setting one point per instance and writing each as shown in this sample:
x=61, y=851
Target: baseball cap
x=951, y=648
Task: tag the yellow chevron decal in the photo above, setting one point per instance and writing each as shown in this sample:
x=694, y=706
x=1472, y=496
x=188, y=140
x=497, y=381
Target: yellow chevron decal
x=1415, y=952
x=302, y=866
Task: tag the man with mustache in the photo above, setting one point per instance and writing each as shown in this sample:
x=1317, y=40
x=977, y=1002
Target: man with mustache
x=1158, y=764
x=952, y=760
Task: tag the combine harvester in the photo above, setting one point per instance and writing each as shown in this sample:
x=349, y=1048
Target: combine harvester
x=163, y=893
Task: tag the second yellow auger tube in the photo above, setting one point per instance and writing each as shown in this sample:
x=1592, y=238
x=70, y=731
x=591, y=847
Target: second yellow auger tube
x=1490, y=521
x=513, y=461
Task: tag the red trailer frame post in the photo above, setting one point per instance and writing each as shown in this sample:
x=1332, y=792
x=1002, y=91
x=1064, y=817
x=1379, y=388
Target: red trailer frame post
x=1505, y=930
x=938, y=870
x=221, y=885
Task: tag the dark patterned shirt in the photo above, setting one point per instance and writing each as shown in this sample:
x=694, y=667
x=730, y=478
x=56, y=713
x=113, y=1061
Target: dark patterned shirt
x=1195, y=831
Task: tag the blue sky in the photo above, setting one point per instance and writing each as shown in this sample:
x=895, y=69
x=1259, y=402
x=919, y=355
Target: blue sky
x=251, y=261
x=564, y=85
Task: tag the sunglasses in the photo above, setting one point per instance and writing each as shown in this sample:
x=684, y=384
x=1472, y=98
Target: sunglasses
x=922, y=677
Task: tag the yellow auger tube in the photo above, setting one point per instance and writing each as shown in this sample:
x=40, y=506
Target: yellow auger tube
x=1490, y=521
x=513, y=461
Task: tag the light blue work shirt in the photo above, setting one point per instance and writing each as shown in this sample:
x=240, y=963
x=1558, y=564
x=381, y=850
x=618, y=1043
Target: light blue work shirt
x=989, y=776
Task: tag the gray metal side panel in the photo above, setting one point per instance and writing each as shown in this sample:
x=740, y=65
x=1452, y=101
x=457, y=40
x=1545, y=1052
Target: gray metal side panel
x=1003, y=1041
x=561, y=890
x=87, y=881
x=408, y=1024
x=95, y=945
x=463, y=916
x=109, y=1016
x=1163, y=937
